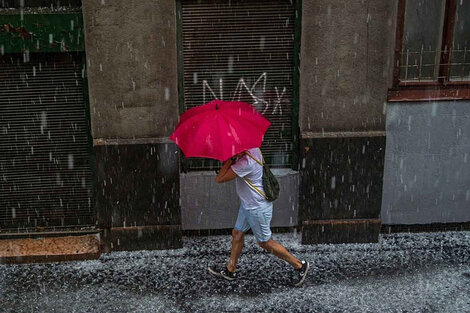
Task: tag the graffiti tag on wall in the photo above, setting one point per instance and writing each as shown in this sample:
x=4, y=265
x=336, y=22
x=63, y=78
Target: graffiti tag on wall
x=268, y=105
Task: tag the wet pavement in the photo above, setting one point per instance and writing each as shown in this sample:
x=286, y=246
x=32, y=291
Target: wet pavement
x=427, y=272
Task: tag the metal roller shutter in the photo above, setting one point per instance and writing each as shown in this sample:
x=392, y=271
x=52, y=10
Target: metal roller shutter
x=242, y=50
x=45, y=177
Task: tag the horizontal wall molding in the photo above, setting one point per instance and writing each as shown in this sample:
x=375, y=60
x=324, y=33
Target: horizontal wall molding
x=342, y=221
x=340, y=231
x=129, y=141
x=307, y=135
x=148, y=237
x=420, y=228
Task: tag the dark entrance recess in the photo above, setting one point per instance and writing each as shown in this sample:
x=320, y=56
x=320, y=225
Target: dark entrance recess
x=45, y=176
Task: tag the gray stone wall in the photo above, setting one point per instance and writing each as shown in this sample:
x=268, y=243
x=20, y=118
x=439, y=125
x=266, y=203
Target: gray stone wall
x=132, y=67
x=208, y=205
x=132, y=79
x=427, y=163
x=345, y=72
x=346, y=57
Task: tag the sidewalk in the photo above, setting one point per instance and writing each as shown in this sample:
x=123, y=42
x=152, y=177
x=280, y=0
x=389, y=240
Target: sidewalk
x=403, y=273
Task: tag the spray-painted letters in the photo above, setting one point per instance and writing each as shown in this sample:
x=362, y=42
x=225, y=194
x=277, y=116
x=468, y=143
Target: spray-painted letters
x=267, y=104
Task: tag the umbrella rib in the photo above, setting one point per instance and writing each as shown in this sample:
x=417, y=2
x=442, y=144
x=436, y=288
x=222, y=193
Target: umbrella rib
x=220, y=138
x=234, y=151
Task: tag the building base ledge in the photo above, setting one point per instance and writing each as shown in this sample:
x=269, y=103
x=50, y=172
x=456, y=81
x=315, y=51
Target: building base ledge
x=338, y=231
x=50, y=249
x=149, y=237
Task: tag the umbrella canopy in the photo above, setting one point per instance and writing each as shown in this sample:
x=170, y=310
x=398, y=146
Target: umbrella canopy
x=219, y=129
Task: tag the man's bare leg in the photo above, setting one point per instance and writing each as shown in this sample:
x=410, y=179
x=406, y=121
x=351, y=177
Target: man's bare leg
x=278, y=250
x=238, y=239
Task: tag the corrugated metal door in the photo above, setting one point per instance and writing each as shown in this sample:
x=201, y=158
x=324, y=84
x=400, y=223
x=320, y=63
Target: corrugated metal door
x=45, y=176
x=242, y=50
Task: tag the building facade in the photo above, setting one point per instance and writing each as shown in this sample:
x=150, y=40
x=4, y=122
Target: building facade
x=368, y=107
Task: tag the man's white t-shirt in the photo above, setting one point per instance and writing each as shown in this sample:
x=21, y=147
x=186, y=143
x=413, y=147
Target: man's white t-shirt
x=249, y=168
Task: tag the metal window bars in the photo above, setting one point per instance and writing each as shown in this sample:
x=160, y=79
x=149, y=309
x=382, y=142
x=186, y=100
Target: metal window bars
x=423, y=65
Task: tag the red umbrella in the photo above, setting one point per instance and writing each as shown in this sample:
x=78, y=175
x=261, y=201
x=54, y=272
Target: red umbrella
x=219, y=129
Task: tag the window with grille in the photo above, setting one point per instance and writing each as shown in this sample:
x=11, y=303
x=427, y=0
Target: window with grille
x=243, y=51
x=432, y=54
x=45, y=170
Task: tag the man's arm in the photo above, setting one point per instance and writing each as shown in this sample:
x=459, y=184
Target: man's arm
x=226, y=173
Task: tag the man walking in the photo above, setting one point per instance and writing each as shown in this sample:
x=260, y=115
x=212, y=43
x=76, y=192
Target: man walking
x=255, y=212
